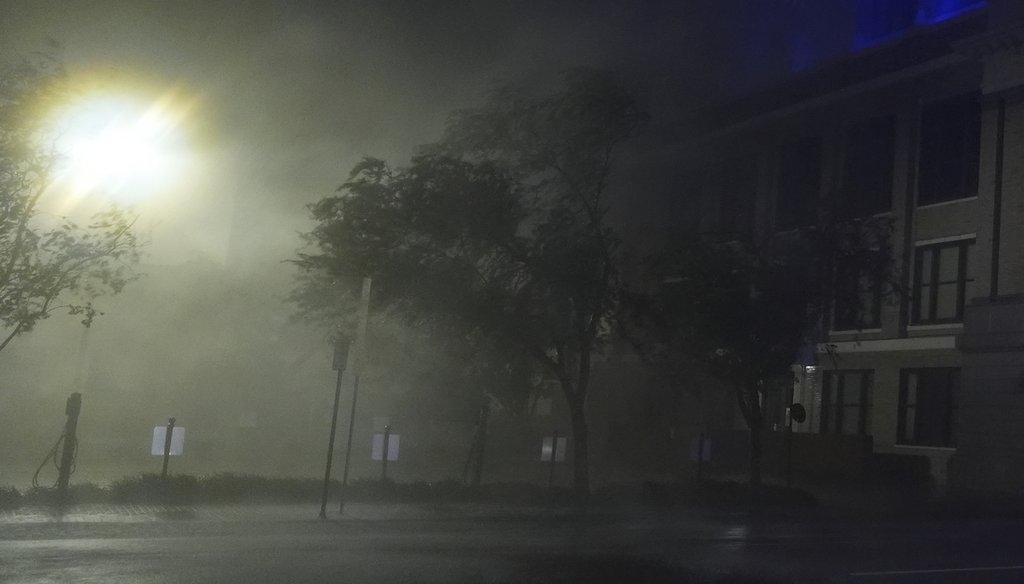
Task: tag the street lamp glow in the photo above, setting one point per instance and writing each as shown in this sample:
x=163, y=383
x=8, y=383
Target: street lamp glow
x=117, y=148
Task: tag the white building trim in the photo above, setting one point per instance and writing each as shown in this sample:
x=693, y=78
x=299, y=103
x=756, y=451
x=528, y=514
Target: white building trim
x=948, y=239
x=882, y=345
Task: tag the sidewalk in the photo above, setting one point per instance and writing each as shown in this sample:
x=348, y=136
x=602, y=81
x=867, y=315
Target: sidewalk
x=256, y=512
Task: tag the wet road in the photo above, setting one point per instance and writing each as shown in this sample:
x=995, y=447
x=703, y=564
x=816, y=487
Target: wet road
x=451, y=545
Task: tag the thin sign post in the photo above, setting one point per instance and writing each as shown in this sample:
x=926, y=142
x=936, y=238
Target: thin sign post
x=554, y=457
x=384, y=458
x=340, y=355
x=167, y=447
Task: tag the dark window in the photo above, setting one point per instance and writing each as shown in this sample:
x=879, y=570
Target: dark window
x=739, y=194
x=928, y=406
x=799, y=184
x=686, y=204
x=867, y=168
x=858, y=299
x=941, y=283
x=845, y=402
x=950, y=145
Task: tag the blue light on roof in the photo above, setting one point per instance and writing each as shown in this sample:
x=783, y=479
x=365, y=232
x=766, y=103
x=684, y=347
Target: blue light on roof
x=933, y=11
x=881, y=20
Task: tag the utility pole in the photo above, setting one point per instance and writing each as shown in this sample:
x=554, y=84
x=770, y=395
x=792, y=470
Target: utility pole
x=72, y=408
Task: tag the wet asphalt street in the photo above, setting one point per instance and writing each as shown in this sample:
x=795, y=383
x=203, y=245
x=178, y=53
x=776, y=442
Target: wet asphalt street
x=499, y=545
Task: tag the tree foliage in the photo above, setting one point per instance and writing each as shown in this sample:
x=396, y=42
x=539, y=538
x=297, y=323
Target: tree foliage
x=744, y=313
x=497, y=231
x=48, y=263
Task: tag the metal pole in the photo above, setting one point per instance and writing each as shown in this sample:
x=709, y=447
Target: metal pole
x=330, y=446
x=167, y=447
x=551, y=469
x=789, y=447
x=72, y=408
x=348, y=445
x=700, y=457
x=356, y=365
x=384, y=458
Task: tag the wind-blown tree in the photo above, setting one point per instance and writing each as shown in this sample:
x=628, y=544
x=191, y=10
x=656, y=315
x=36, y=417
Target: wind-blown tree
x=499, y=230
x=48, y=263
x=743, y=314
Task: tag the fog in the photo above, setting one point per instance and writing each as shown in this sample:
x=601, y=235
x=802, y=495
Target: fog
x=288, y=96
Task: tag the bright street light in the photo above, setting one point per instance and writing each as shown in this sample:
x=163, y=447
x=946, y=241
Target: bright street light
x=120, y=148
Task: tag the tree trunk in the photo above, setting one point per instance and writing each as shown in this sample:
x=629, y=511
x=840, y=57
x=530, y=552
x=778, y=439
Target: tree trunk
x=481, y=445
x=580, y=451
x=755, y=450
x=475, y=458
x=750, y=406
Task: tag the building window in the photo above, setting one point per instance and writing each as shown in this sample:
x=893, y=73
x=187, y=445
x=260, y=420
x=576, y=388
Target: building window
x=845, y=402
x=739, y=195
x=950, y=146
x=868, y=168
x=799, y=183
x=858, y=299
x=941, y=283
x=928, y=406
x=686, y=205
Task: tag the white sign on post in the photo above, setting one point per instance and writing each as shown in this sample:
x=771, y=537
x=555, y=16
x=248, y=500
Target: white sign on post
x=377, y=452
x=177, y=441
x=545, y=449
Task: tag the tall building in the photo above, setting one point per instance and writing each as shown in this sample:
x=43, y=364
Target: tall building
x=920, y=122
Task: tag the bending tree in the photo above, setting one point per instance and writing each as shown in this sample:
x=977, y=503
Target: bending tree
x=743, y=314
x=48, y=263
x=498, y=230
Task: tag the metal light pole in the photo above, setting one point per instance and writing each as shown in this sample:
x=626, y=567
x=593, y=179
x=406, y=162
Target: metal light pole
x=341, y=347
x=357, y=367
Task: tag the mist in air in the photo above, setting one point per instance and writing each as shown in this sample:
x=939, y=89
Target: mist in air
x=284, y=99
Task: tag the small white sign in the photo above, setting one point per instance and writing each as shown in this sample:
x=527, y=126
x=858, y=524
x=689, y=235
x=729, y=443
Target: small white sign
x=377, y=452
x=545, y=449
x=177, y=440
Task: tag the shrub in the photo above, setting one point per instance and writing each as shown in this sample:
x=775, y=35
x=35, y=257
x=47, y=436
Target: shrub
x=10, y=498
x=150, y=488
x=231, y=488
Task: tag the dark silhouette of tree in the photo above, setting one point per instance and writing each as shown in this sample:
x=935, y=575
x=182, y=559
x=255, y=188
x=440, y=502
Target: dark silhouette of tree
x=48, y=263
x=498, y=230
x=744, y=313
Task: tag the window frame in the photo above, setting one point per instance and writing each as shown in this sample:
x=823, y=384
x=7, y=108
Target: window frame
x=969, y=155
x=804, y=212
x=835, y=410
x=952, y=381
x=738, y=222
x=964, y=246
x=874, y=320
x=853, y=134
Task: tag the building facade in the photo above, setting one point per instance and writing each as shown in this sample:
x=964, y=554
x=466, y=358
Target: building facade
x=924, y=129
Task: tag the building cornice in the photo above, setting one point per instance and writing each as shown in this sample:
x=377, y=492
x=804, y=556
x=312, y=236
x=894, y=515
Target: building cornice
x=1004, y=40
